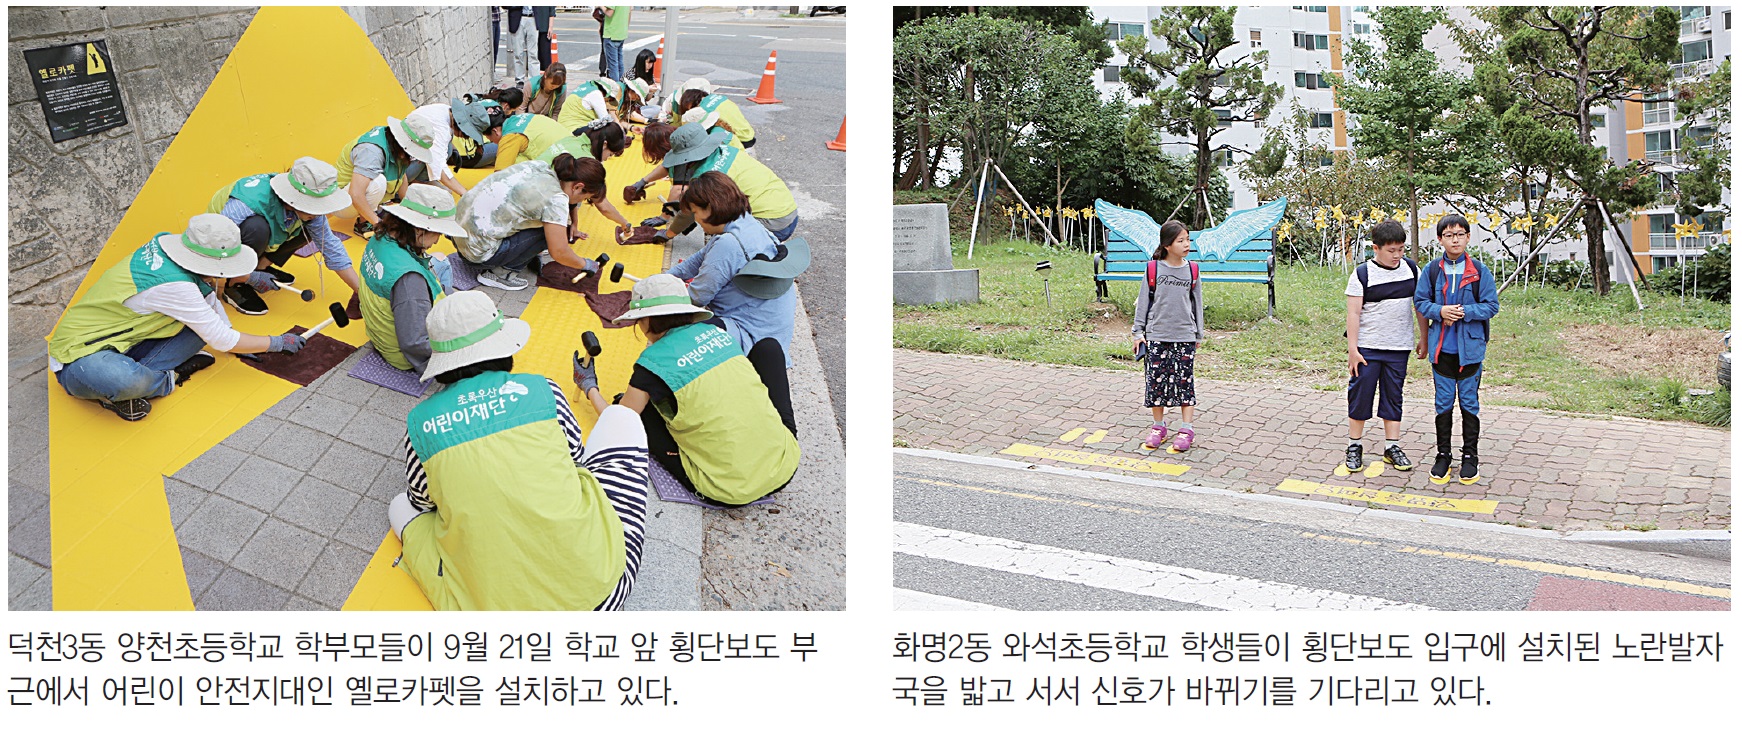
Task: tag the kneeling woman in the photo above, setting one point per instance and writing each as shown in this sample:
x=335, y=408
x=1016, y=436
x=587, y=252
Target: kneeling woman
x=735, y=239
x=719, y=422
x=507, y=508
x=399, y=281
x=516, y=214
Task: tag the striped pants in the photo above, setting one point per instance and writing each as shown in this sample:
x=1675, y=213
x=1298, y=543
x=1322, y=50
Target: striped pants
x=617, y=455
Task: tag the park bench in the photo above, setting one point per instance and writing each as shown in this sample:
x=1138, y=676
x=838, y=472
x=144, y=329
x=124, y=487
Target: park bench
x=1133, y=235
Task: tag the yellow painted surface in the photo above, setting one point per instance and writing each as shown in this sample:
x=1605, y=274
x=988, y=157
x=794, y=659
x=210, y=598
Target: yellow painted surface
x=112, y=542
x=383, y=587
x=1096, y=438
x=1578, y=572
x=1094, y=459
x=1384, y=497
x=1072, y=435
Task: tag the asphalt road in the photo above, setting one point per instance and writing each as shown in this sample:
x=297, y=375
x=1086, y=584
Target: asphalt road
x=731, y=52
x=1032, y=540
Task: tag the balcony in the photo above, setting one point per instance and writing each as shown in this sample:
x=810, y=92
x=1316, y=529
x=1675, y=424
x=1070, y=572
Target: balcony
x=1692, y=69
x=1667, y=157
x=1667, y=242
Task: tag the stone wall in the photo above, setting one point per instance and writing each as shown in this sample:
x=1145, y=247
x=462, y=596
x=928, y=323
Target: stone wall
x=65, y=198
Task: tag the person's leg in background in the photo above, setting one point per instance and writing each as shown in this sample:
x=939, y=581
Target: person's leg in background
x=770, y=364
x=612, y=50
x=616, y=453
x=541, y=18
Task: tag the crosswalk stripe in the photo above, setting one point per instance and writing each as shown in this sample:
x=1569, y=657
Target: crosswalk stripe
x=1173, y=583
x=908, y=600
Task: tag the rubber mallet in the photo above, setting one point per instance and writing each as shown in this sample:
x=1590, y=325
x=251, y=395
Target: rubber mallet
x=307, y=295
x=603, y=260
x=591, y=343
x=617, y=274
x=338, y=318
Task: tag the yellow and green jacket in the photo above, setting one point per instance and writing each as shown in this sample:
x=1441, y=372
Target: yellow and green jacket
x=101, y=319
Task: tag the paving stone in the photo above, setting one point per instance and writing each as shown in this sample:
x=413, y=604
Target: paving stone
x=253, y=434
x=295, y=446
x=236, y=591
x=365, y=527
x=209, y=470
x=30, y=538
x=27, y=400
x=325, y=414
x=219, y=528
x=260, y=482
x=392, y=404
x=304, y=604
x=389, y=482
x=38, y=597
x=289, y=404
x=330, y=580
x=349, y=466
x=317, y=506
x=201, y=570
x=279, y=553
x=27, y=452
x=21, y=501
x=377, y=433
x=184, y=499
x=20, y=574
x=339, y=384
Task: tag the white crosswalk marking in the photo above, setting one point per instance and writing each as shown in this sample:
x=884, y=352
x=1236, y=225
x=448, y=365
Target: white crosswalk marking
x=917, y=601
x=1174, y=583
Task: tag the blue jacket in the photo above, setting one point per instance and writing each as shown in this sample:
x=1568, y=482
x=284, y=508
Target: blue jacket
x=1475, y=291
x=710, y=272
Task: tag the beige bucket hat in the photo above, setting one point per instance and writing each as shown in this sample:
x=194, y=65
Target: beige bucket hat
x=311, y=186
x=466, y=328
x=211, y=247
x=417, y=135
x=662, y=294
x=429, y=207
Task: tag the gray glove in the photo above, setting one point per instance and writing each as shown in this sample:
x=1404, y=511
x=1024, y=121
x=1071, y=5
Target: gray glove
x=586, y=374
x=286, y=343
x=262, y=281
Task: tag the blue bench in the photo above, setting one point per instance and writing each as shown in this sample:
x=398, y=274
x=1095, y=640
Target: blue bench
x=1124, y=259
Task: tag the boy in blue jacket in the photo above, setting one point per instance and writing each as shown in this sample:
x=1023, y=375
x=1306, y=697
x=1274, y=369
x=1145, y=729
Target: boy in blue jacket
x=1456, y=294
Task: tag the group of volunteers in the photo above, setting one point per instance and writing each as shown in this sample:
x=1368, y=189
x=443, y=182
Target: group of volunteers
x=1390, y=301
x=508, y=507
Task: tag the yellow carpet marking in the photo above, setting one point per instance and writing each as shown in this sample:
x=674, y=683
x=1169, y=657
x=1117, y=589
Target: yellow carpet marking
x=1096, y=437
x=1098, y=460
x=1071, y=435
x=1384, y=497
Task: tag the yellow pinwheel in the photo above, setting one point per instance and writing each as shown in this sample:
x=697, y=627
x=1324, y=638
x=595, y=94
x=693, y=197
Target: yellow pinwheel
x=1494, y=221
x=1549, y=220
x=1374, y=214
x=1400, y=215
x=1687, y=230
x=1524, y=222
x=1284, y=230
x=1358, y=219
x=1337, y=213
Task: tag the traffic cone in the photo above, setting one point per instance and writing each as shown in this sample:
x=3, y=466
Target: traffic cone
x=553, y=58
x=840, y=142
x=765, y=93
x=658, y=59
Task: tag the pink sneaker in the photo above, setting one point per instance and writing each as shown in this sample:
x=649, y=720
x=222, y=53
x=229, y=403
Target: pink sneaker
x=1182, y=441
x=1157, y=435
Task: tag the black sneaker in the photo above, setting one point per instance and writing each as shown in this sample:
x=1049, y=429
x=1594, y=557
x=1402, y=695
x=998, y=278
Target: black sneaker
x=1441, y=473
x=194, y=364
x=1352, y=459
x=246, y=301
x=1394, y=457
x=132, y=409
x=362, y=228
x=1468, y=473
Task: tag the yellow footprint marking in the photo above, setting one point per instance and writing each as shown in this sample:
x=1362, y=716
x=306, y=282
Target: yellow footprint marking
x=1071, y=435
x=1096, y=437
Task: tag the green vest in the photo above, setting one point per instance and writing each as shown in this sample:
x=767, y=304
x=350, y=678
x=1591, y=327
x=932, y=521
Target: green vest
x=390, y=170
x=518, y=525
x=575, y=114
x=541, y=132
x=100, y=319
x=768, y=194
x=579, y=146
x=384, y=263
x=731, y=440
x=731, y=115
x=255, y=191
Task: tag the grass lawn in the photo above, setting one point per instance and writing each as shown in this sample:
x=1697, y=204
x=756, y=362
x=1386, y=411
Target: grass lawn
x=1551, y=349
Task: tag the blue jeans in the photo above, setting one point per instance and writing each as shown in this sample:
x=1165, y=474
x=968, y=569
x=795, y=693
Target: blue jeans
x=143, y=372
x=1457, y=384
x=784, y=232
x=518, y=250
x=612, y=51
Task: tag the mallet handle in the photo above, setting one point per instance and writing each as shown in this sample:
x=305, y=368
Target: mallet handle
x=311, y=331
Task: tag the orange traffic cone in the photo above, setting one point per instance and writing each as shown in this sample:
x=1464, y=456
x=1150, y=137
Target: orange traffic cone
x=658, y=59
x=765, y=93
x=553, y=58
x=840, y=142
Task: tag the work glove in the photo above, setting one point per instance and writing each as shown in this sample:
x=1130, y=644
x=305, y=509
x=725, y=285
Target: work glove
x=656, y=222
x=286, y=343
x=586, y=374
x=262, y=282
x=635, y=192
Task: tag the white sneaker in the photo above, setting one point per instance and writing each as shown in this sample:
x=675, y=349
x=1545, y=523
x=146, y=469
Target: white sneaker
x=502, y=278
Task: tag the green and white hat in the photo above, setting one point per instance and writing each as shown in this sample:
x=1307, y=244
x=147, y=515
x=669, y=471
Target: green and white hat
x=417, y=136
x=662, y=294
x=698, y=115
x=311, y=186
x=429, y=207
x=638, y=86
x=466, y=328
x=211, y=247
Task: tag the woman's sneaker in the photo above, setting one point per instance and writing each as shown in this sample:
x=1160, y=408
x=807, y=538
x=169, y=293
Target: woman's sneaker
x=132, y=409
x=1441, y=472
x=1394, y=456
x=1469, y=472
x=502, y=278
x=243, y=297
x=1182, y=441
x=194, y=364
x=1157, y=435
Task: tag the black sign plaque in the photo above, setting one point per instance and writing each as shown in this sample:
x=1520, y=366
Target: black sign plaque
x=77, y=87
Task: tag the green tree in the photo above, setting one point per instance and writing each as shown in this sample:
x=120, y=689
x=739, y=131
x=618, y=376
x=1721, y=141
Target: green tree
x=1566, y=61
x=1704, y=170
x=1072, y=21
x=1206, y=91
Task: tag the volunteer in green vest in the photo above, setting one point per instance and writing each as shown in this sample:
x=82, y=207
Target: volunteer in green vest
x=507, y=507
x=400, y=284
x=741, y=273
x=373, y=167
x=718, y=421
x=524, y=137
x=449, y=122
x=278, y=214
x=717, y=110
x=476, y=151
x=139, y=331
x=690, y=151
x=601, y=140
x=603, y=99
x=672, y=112
x=548, y=90
x=514, y=215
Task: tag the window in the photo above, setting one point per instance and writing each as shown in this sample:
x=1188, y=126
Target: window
x=1222, y=118
x=1110, y=73
x=1533, y=192
x=1311, y=8
x=1701, y=136
x=1726, y=20
x=1305, y=80
x=1116, y=31
x=1257, y=39
x=1662, y=227
x=1319, y=120
x=1360, y=8
x=1696, y=51
x=1362, y=29
x=1660, y=146
x=1659, y=108
x=1599, y=121
x=1222, y=158
x=1326, y=161
x=1311, y=42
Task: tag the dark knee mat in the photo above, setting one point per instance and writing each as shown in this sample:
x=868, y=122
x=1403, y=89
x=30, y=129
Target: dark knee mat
x=608, y=307
x=320, y=355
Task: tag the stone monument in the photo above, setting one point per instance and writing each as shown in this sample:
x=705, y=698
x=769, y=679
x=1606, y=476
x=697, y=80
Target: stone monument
x=923, y=272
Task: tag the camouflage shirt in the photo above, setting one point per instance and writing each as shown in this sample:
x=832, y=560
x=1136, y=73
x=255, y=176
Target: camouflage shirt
x=526, y=195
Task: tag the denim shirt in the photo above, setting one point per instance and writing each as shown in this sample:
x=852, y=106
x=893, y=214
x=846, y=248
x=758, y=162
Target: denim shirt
x=748, y=319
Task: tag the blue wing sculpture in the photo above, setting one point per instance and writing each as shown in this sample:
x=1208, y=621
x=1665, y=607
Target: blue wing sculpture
x=1217, y=242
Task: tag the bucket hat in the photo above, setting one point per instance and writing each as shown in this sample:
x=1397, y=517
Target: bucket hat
x=210, y=247
x=693, y=142
x=638, y=86
x=472, y=119
x=416, y=135
x=429, y=207
x=703, y=117
x=770, y=278
x=311, y=186
x=662, y=294
x=466, y=328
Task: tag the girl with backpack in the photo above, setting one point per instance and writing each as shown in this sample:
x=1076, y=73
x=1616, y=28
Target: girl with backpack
x=1167, y=325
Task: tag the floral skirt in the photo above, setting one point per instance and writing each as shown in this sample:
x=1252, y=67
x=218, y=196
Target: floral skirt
x=1167, y=374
